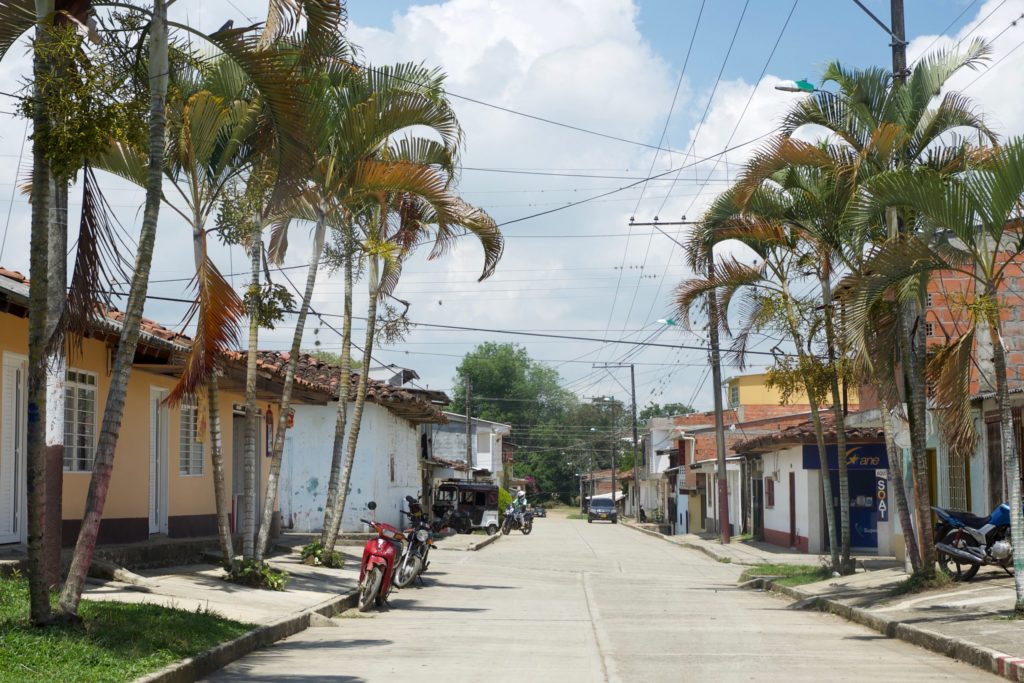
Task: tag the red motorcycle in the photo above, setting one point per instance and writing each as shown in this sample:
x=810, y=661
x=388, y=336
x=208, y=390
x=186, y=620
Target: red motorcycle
x=377, y=568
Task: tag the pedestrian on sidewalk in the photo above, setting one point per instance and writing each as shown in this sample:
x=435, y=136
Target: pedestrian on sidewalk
x=643, y=515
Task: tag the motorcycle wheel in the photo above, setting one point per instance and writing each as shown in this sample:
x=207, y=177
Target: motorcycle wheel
x=950, y=565
x=408, y=572
x=527, y=528
x=369, y=591
x=506, y=528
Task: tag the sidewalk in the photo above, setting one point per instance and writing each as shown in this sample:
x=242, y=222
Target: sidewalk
x=968, y=621
x=755, y=552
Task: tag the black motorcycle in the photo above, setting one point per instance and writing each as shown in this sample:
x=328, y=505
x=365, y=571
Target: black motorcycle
x=418, y=542
x=457, y=520
x=512, y=522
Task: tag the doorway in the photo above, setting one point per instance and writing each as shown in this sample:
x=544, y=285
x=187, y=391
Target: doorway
x=158, y=466
x=792, y=510
x=12, y=448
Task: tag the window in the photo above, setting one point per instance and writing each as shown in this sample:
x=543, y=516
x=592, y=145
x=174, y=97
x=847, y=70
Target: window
x=769, y=492
x=79, y=421
x=930, y=300
x=734, y=395
x=190, y=448
x=929, y=329
x=391, y=469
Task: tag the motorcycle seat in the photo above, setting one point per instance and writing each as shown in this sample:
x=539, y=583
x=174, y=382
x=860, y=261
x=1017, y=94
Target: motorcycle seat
x=967, y=518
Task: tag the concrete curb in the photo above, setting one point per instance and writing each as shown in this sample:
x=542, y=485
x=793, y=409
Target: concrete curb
x=999, y=663
x=194, y=668
x=474, y=546
x=708, y=550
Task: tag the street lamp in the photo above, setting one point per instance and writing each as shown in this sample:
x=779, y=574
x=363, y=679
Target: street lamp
x=797, y=86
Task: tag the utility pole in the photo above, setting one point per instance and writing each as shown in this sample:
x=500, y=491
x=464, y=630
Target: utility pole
x=636, y=450
x=469, y=432
x=899, y=42
x=716, y=385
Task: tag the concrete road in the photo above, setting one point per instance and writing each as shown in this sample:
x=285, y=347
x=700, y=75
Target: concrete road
x=590, y=602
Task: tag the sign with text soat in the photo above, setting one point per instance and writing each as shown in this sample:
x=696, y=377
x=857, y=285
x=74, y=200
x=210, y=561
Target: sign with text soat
x=861, y=456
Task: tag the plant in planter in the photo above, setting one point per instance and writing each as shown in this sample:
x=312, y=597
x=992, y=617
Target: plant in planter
x=316, y=555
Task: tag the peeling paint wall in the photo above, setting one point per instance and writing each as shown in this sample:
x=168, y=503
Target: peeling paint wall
x=386, y=468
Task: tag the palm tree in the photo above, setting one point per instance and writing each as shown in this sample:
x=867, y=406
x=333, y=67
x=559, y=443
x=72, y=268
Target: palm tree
x=113, y=412
x=890, y=127
x=810, y=188
x=359, y=111
x=969, y=224
x=766, y=296
x=392, y=230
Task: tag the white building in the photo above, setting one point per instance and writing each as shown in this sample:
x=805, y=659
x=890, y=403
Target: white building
x=449, y=443
x=389, y=456
x=652, y=488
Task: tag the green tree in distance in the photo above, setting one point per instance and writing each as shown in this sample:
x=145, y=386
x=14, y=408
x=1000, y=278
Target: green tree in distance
x=667, y=410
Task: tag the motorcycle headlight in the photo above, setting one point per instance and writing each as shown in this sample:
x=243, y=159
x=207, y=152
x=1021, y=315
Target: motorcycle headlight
x=422, y=536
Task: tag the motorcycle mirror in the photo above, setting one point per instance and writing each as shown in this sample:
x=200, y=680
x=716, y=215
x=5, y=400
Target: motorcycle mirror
x=371, y=505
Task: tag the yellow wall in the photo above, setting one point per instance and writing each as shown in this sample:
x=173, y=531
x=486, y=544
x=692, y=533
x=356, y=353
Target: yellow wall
x=129, y=486
x=754, y=392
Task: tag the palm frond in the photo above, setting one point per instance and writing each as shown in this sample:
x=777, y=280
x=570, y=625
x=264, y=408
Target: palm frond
x=17, y=17
x=218, y=312
x=98, y=265
x=949, y=372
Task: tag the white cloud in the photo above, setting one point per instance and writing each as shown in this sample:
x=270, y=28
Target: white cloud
x=578, y=61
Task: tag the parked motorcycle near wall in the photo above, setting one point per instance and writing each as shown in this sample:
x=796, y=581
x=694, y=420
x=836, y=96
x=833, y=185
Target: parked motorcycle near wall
x=418, y=542
x=512, y=522
x=966, y=542
x=378, y=563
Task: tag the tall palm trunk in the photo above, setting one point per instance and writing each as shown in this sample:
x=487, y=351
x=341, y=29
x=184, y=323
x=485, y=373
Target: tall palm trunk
x=819, y=432
x=899, y=481
x=220, y=489
x=273, y=477
x=56, y=381
x=113, y=412
x=252, y=420
x=35, y=460
x=912, y=351
x=341, y=467
x=1011, y=460
x=913, y=361
x=840, y=420
x=373, y=273
x=826, y=478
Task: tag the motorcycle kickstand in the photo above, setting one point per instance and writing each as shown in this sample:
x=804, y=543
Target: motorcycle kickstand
x=1007, y=570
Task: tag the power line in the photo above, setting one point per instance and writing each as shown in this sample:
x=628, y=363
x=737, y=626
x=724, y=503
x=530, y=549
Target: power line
x=634, y=184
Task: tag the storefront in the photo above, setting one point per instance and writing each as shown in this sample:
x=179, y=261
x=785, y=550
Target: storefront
x=867, y=473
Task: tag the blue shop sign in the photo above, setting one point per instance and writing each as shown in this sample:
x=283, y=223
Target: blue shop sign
x=862, y=456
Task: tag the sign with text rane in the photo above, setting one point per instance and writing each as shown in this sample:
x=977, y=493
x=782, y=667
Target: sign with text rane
x=862, y=456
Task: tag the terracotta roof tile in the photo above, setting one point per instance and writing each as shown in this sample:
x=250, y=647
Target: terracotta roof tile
x=149, y=327
x=317, y=375
x=804, y=433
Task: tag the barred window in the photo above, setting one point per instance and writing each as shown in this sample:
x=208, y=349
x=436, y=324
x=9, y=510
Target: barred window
x=769, y=492
x=190, y=448
x=79, y=421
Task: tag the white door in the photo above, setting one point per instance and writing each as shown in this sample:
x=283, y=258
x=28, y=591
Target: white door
x=13, y=447
x=158, y=418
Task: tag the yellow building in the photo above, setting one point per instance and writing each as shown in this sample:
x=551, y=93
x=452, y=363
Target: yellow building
x=162, y=481
x=753, y=390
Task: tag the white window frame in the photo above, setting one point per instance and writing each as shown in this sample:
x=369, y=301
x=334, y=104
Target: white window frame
x=191, y=451
x=79, y=380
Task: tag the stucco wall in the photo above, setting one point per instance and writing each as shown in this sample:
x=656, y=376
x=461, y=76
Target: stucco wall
x=128, y=497
x=307, y=461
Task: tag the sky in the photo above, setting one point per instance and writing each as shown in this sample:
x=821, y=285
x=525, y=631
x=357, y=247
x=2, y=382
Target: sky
x=658, y=85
